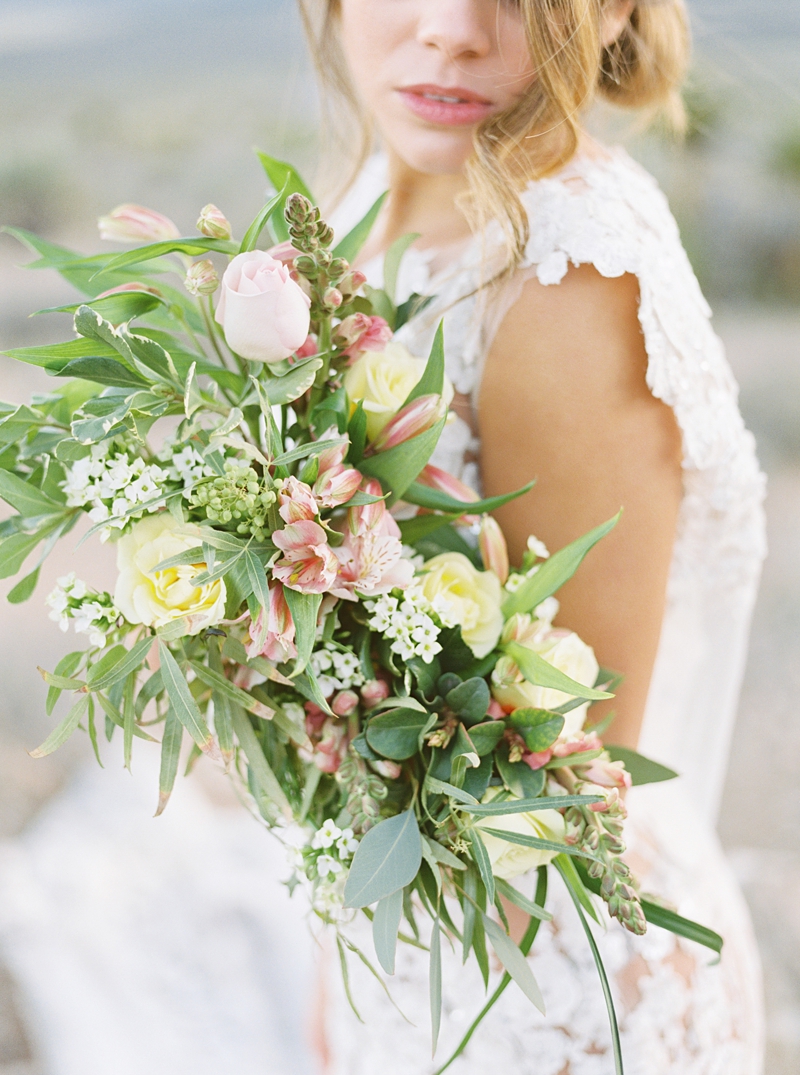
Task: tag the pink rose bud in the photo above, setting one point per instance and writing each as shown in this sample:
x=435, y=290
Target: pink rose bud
x=494, y=551
x=374, y=691
x=213, y=223
x=344, y=703
x=412, y=420
x=136, y=224
x=263, y=312
x=201, y=279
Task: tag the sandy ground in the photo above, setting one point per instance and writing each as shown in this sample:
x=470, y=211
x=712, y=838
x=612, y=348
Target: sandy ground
x=761, y=814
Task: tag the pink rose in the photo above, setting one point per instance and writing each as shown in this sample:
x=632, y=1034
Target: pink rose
x=136, y=224
x=309, y=564
x=272, y=635
x=263, y=312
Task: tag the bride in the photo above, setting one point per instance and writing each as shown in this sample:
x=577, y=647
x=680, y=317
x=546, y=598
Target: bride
x=581, y=351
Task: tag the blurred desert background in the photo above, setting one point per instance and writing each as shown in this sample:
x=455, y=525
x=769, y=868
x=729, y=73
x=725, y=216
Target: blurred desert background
x=161, y=101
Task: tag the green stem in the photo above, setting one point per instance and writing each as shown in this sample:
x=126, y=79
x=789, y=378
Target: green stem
x=324, y=348
x=206, y=310
x=525, y=946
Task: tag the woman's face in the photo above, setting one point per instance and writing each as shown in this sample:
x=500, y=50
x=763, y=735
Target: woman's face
x=430, y=71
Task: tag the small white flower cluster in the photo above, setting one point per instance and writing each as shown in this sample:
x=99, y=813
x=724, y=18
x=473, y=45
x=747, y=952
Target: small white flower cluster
x=184, y=465
x=336, y=670
x=92, y=614
x=114, y=482
x=328, y=838
x=408, y=622
x=536, y=550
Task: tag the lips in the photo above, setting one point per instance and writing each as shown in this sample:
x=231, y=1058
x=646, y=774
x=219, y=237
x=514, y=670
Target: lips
x=445, y=106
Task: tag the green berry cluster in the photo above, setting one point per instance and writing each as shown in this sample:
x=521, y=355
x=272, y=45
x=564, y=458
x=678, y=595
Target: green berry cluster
x=240, y=500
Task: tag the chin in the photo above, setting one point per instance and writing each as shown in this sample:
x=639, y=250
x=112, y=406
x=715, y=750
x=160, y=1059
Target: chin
x=433, y=152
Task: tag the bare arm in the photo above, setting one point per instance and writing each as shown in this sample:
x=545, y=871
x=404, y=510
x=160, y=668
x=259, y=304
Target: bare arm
x=564, y=400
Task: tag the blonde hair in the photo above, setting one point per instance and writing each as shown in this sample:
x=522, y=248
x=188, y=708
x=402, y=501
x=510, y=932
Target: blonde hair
x=643, y=68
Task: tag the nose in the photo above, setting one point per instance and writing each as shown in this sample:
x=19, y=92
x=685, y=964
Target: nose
x=462, y=29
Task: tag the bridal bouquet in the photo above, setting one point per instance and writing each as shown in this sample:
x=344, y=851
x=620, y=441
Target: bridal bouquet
x=304, y=597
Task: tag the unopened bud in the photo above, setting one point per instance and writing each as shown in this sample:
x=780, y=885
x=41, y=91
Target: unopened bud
x=339, y=268
x=374, y=691
x=494, y=551
x=201, y=279
x=136, y=224
x=333, y=298
x=298, y=209
x=416, y=418
x=344, y=703
x=213, y=223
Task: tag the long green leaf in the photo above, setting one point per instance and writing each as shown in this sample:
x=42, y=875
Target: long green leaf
x=642, y=770
x=553, y=573
x=105, y=371
x=483, y=862
x=26, y=498
x=64, y=730
x=115, y=666
x=387, y=859
x=526, y=806
x=259, y=767
x=385, y=927
x=569, y=872
x=435, y=984
x=65, y=668
x=541, y=673
x=432, y=380
x=222, y=685
x=682, y=927
x=524, y=840
x=191, y=246
x=514, y=962
x=252, y=234
x=305, y=610
x=170, y=756
x=349, y=247
x=513, y=895
x=612, y=1014
x=392, y=260
x=257, y=576
x=184, y=704
x=434, y=500
x=441, y=787
x=287, y=180
x=346, y=977
x=397, y=468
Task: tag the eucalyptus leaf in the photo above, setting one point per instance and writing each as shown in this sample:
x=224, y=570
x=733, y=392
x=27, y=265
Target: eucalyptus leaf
x=388, y=858
x=514, y=962
x=538, y=727
x=470, y=700
x=385, y=927
x=396, y=734
x=486, y=736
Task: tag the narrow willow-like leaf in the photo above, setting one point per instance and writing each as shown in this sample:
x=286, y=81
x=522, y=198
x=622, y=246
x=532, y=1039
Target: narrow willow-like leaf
x=553, y=573
x=257, y=575
x=259, y=766
x=513, y=895
x=105, y=673
x=526, y=806
x=435, y=981
x=612, y=1014
x=65, y=669
x=434, y=500
x=222, y=685
x=346, y=977
x=128, y=719
x=349, y=247
x=114, y=717
x=385, y=927
x=253, y=233
x=524, y=840
x=470, y=887
x=184, y=704
x=170, y=756
x=93, y=732
x=64, y=730
x=514, y=962
x=441, y=787
x=525, y=946
x=483, y=862
x=569, y=872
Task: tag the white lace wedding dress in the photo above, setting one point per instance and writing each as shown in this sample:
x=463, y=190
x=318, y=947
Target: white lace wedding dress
x=679, y=1015
x=167, y=947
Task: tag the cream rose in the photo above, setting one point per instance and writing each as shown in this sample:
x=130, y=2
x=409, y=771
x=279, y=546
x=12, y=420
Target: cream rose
x=263, y=312
x=157, y=599
x=561, y=648
x=465, y=597
x=381, y=380
x=512, y=860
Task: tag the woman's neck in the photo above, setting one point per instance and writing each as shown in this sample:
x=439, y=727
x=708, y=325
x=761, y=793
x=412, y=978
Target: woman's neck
x=425, y=204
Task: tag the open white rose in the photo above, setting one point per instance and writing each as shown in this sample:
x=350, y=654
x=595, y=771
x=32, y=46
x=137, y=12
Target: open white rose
x=381, y=380
x=513, y=860
x=157, y=599
x=263, y=312
x=561, y=648
x=465, y=597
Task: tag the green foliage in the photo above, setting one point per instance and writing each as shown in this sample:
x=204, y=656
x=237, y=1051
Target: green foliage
x=387, y=860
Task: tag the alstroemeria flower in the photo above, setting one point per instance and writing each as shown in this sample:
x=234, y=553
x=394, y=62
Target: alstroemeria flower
x=309, y=564
x=297, y=501
x=371, y=558
x=360, y=332
x=417, y=417
x=272, y=634
x=136, y=224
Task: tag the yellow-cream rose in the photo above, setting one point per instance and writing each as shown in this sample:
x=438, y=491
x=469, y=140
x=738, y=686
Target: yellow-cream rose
x=465, y=597
x=561, y=648
x=512, y=860
x=157, y=599
x=381, y=380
